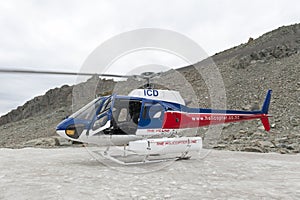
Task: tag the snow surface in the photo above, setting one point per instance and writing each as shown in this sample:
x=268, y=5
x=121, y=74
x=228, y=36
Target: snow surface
x=74, y=173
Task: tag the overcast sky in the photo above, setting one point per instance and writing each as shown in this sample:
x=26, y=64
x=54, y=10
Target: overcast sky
x=60, y=34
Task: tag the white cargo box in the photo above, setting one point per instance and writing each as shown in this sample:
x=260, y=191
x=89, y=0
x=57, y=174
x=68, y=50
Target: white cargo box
x=166, y=145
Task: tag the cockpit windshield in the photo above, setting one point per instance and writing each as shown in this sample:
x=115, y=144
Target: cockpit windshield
x=88, y=111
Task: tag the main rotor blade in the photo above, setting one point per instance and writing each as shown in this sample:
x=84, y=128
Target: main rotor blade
x=60, y=73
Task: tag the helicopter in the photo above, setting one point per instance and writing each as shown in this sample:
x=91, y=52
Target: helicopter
x=147, y=121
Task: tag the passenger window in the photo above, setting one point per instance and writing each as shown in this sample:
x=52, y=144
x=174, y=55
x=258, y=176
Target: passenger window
x=156, y=111
x=157, y=115
x=153, y=111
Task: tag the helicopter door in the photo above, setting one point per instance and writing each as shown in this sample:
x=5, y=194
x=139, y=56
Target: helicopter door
x=152, y=116
x=125, y=116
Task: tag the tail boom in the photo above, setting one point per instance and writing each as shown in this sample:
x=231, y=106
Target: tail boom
x=180, y=120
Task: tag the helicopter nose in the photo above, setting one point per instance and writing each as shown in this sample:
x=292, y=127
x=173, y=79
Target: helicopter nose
x=72, y=128
x=62, y=134
x=62, y=128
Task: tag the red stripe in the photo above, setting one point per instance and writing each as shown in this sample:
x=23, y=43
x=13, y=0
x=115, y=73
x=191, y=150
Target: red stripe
x=177, y=120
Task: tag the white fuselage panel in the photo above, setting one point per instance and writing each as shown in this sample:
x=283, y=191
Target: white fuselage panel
x=162, y=95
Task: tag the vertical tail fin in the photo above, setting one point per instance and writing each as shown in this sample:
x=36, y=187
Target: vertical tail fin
x=265, y=110
x=266, y=104
x=266, y=123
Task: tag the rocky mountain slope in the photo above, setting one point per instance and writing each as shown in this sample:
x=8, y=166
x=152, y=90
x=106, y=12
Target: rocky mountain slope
x=38, y=117
x=248, y=71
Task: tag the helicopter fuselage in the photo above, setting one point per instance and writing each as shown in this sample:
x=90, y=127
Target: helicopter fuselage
x=117, y=120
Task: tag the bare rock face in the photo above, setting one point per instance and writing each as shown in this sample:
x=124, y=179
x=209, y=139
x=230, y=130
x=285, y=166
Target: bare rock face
x=52, y=100
x=280, y=43
x=248, y=71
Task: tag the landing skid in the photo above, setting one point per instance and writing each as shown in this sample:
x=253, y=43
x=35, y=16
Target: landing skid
x=130, y=158
x=153, y=150
x=183, y=158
